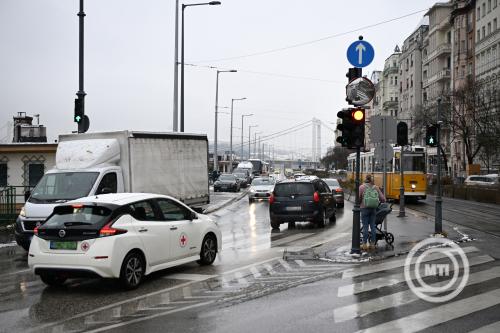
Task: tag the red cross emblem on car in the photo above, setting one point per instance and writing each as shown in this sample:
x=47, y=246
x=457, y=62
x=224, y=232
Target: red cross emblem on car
x=183, y=240
x=85, y=246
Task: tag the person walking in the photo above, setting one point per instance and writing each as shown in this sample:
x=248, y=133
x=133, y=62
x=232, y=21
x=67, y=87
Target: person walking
x=370, y=197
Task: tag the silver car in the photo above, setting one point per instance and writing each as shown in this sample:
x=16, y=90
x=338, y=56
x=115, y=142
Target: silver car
x=261, y=188
x=338, y=192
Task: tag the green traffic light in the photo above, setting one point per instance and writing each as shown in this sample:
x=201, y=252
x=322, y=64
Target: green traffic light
x=78, y=119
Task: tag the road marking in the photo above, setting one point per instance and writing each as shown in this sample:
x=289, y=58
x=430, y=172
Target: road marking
x=240, y=278
x=285, y=264
x=301, y=263
x=365, y=308
x=393, y=279
x=492, y=328
x=16, y=272
x=269, y=269
x=190, y=277
x=105, y=328
x=255, y=272
x=369, y=269
x=439, y=314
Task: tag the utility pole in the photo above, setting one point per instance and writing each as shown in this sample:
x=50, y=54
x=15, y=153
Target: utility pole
x=83, y=121
x=439, y=200
x=176, y=68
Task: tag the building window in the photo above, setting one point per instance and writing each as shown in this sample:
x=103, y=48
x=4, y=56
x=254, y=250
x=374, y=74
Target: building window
x=478, y=35
x=3, y=174
x=448, y=37
x=489, y=28
x=489, y=6
x=495, y=24
x=35, y=173
x=411, y=60
x=495, y=2
x=395, y=80
x=411, y=81
x=478, y=12
x=484, y=32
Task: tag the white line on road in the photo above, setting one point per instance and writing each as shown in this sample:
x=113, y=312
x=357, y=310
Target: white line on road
x=362, y=309
x=240, y=278
x=438, y=315
x=190, y=277
x=393, y=279
x=285, y=264
x=369, y=269
x=255, y=272
x=492, y=328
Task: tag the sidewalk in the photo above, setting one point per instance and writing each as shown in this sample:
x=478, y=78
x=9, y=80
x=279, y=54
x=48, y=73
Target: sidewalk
x=407, y=231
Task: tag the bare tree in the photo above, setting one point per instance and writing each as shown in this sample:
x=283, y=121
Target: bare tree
x=336, y=156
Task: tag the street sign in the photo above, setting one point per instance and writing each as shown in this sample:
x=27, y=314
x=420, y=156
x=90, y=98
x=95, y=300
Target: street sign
x=383, y=153
x=377, y=126
x=360, y=53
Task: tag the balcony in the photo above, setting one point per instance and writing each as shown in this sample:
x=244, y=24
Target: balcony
x=391, y=70
x=390, y=105
x=442, y=49
x=445, y=74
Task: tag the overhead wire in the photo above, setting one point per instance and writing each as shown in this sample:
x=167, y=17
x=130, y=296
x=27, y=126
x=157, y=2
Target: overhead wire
x=311, y=41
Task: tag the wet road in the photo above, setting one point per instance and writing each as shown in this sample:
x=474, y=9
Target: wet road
x=251, y=250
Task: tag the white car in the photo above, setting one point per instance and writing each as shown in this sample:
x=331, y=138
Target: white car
x=124, y=236
x=261, y=188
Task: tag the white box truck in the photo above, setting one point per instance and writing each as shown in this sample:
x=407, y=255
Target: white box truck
x=174, y=164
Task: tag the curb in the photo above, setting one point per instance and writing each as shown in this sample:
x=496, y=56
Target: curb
x=226, y=203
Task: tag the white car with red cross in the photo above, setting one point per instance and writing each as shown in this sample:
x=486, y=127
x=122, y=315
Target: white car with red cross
x=125, y=236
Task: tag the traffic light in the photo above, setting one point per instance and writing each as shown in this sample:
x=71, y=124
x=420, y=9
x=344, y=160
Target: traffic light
x=402, y=134
x=79, y=111
x=352, y=127
x=354, y=73
x=431, y=135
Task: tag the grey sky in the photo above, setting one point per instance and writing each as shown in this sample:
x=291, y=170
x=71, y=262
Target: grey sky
x=129, y=61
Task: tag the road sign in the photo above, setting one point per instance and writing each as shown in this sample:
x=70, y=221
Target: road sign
x=383, y=153
x=377, y=126
x=360, y=91
x=360, y=53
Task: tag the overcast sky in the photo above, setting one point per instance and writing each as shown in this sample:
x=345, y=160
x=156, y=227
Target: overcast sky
x=129, y=61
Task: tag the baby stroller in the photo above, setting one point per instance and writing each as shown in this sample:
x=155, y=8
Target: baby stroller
x=382, y=211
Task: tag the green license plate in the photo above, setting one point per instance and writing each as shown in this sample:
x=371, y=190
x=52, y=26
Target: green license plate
x=63, y=245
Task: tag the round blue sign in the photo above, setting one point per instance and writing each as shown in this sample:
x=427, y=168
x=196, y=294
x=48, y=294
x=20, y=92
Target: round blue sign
x=360, y=53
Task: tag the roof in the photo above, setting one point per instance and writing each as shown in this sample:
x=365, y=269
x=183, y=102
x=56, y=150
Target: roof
x=118, y=198
x=28, y=147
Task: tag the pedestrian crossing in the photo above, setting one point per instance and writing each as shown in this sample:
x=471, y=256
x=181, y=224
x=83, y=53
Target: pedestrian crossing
x=378, y=299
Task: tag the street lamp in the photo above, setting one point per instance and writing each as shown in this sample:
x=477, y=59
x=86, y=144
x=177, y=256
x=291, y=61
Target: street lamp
x=243, y=116
x=216, y=161
x=249, y=130
x=231, y=132
x=211, y=3
x=255, y=155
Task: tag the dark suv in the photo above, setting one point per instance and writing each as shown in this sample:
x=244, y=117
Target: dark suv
x=301, y=200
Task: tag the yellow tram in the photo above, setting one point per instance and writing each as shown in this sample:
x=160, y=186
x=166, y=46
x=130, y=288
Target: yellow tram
x=415, y=178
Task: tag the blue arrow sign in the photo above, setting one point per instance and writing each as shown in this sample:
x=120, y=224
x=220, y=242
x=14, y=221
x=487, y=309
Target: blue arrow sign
x=360, y=53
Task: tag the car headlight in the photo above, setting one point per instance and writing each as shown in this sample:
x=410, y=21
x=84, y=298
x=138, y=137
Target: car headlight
x=217, y=183
x=22, y=213
x=413, y=186
x=252, y=190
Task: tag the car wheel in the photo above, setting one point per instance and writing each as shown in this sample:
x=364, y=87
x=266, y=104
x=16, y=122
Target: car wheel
x=275, y=224
x=132, y=270
x=250, y=200
x=321, y=221
x=340, y=205
x=53, y=280
x=333, y=218
x=208, y=250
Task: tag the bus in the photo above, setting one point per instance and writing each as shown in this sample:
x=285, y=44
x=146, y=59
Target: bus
x=415, y=178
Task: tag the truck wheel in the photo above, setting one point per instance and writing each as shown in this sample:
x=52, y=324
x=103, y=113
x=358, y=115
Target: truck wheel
x=53, y=280
x=132, y=270
x=275, y=224
x=208, y=250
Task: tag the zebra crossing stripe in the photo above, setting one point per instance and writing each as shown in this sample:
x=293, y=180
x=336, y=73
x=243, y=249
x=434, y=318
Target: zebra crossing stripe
x=369, y=269
x=492, y=328
x=362, y=309
x=285, y=264
x=240, y=278
x=440, y=314
x=393, y=279
x=255, y=272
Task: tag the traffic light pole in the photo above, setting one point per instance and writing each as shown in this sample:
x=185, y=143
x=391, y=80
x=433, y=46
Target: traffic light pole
x=356, y=211
x=402, y=186
x=439, y=201
x=81, y=93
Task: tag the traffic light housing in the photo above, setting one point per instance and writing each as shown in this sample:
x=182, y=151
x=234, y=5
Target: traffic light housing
x=352, y=127
x=431, y=135
x=79, y=111
x=354, y=73
x=402, y=134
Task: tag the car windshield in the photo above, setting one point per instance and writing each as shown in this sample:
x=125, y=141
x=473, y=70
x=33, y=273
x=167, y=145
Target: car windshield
x=262, y=181
x=332, y=182
x=226, y=177
x=75, y=215
x=240, y=175
x=288, y=189
x=64, y=186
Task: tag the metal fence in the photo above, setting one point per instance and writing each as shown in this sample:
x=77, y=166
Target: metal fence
x=8, y=211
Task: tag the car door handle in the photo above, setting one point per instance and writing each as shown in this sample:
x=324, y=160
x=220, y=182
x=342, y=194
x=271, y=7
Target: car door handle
x=173, y=228
x=143, y=230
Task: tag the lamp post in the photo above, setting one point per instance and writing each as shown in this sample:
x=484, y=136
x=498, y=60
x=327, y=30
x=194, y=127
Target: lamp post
x=216, y=161
x=231, y=132
x=243, y=116
x=211, y=3
x=249, y=130
x=255, y=149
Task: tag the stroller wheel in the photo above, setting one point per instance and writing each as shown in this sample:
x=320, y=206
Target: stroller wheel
x=389, y=238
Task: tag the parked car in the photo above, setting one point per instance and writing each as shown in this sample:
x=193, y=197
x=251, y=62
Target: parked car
x=243, y=178
x=125, y=236
x=491, y=179
x=301, y=200
x=261, y=188
x=337, y=190
x=227, y=182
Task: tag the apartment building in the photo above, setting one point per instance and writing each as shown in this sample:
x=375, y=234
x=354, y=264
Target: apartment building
x=487, y=42
x=410, y=84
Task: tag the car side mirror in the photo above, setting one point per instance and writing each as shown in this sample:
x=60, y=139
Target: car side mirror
x=27, y=195
x=105, y=190
x=193, y=216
